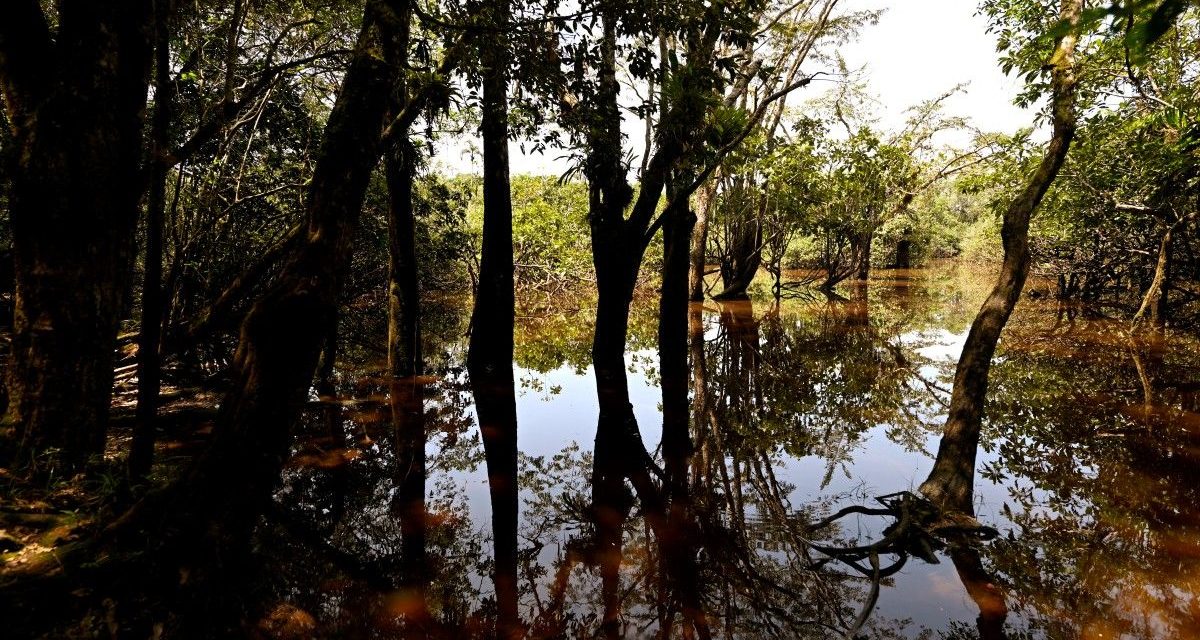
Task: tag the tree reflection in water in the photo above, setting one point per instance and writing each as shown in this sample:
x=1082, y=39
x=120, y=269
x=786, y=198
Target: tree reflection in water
x=799, y=414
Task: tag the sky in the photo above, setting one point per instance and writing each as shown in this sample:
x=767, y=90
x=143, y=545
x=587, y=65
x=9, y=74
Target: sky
x=918, y=50
x=921, y=48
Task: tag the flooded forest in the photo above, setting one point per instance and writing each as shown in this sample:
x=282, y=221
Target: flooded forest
x=528, y=319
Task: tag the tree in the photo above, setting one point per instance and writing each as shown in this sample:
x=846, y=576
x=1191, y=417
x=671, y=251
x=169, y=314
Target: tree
x=490, y=355
x=950, y=484
x=74, y=95
x=282, y=336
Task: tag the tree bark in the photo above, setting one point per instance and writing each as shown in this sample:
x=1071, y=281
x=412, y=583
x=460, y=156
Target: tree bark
x=74, y=102
x=863, y=268
x=1154, y=303
x=704, y=199
x=141, y=450
x=743, y=261
x=405, y=361
x=404, y=296
x=677, y=539
x=282, y=337
x=950, y=484
x=673, y=343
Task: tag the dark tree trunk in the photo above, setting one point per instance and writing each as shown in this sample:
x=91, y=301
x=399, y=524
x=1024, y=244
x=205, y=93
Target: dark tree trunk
x=141, y=451
x=283, y=335
x=673, y=344
x=406, y=366
x=404, y=301
x=201, y=526
x=743, y=261
x=677, y=539
x=405, y=361
x=863, y=268
x=608, y=195
x=490, y=358
x=903, y=253
x=618, y=246
x=326, y=386
x=74, y=102
x=950, y=484
x=400, y=166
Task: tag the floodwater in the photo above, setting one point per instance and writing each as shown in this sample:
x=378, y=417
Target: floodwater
x=1089, y=471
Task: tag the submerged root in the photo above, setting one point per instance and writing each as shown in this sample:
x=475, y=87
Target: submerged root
x=920, y=529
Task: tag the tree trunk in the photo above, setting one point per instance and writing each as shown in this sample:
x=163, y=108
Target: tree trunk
x=743, y=261
x=201, y=526
x=282, y=336
x=950, y=484
x=408, y=502
x=490, y=356
x=404, y=301
x=863, y=268
x=676, y=532
x=405, y=361
x=326, y=365
x=608, y=195
x=141, y=450
x=74, y=103
x=1154, y=303
x=704, y=199
x=903, y=253
x=673, y=344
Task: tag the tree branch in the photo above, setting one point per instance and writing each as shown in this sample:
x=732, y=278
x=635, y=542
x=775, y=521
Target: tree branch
x=228, y=110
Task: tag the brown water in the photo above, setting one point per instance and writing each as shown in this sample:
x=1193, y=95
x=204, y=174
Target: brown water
x=1088, y=470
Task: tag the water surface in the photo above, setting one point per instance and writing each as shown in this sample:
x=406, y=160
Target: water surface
x=1088, y=472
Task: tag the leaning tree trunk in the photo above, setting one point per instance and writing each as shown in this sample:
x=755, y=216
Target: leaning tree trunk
x=1154, y=303
x=282, y=337
x=201, y=525
x=490, y=355
x=950, y=484
x=74, y=101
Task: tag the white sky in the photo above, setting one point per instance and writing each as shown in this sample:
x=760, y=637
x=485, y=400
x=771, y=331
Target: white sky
x=919, y=49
